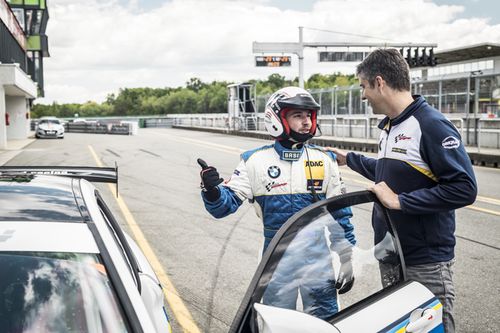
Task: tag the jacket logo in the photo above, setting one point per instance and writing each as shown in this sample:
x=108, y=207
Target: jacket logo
x=273, y=184
x=316, y=183
x=291, y=155
x=401, y=137
x=315, y=173
x=274, y=171
x=236, y=172
x=398, y=150
x=314, y=163
x=450, y=143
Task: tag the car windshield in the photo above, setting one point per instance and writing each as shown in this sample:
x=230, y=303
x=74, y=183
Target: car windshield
x=57, y=292
x=49, y=121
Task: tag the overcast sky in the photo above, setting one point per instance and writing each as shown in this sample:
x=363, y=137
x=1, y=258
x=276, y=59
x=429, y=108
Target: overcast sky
x=99, y=46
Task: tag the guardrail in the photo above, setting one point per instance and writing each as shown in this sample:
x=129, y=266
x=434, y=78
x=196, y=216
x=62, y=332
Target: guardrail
x=97, y=128
x=475, y=132
x=345, y=126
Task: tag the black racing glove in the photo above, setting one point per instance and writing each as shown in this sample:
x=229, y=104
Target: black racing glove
x=345, y=279
x=210, y=178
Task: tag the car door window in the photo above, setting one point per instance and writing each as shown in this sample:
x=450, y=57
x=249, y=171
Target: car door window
x=301, y=267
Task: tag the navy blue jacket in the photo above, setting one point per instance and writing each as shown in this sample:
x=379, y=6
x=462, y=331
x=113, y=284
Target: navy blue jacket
x=422, y=159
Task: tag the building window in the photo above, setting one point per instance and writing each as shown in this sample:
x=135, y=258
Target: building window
x=33, y=21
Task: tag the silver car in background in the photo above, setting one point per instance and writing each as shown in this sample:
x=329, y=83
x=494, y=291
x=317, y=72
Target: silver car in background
x=49, y=127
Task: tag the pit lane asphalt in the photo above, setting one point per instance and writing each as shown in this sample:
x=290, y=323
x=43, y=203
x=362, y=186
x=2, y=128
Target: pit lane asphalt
x=211, y=262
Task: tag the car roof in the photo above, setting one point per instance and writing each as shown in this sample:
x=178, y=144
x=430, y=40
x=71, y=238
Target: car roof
x=38, y=198
x=40, y=213
x=47, y=237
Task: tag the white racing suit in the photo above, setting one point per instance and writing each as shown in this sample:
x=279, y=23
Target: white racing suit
x=278, y=181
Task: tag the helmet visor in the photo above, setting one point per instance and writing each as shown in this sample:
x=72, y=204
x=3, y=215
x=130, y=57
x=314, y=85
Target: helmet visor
x=302, y=102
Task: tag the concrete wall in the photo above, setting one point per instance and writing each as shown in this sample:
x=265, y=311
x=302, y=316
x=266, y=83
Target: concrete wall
x=16, y=107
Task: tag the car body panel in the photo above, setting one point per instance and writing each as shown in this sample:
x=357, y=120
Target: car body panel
x=129, y=285
x=151, y=291
x=273, y=319
x=46, y=237
x=391, y=313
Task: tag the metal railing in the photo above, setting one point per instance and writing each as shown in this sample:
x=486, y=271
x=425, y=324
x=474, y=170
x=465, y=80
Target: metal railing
x=344, y=126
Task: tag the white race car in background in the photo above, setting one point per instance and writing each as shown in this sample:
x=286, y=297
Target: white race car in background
x=66, y=265
x=49, y=127
x=381, y=300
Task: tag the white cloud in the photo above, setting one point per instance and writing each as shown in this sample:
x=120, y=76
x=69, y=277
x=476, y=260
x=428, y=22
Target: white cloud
x=98, y=47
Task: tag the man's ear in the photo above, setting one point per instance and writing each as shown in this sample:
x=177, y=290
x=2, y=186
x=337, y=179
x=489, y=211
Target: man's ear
x=379, y=82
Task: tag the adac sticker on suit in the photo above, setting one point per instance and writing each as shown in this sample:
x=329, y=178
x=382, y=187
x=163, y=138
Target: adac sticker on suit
x=315, y=173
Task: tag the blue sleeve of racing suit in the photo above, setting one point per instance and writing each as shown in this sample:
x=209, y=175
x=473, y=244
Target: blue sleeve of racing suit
x=363, y=165
x=444, y=152
x=227, y=203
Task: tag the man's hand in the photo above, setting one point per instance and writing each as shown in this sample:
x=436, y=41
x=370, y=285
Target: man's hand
x=341, y=155
x=210, y=178
x=386, y=196
x=345, y=280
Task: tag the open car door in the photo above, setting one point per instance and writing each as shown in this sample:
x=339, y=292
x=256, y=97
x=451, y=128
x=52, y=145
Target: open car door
x=293, y=272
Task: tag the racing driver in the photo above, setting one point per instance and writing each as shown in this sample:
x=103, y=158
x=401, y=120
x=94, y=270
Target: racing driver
x=281, y=179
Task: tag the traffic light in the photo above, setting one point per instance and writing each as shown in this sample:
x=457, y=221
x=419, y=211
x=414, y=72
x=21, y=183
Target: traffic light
x=408, y=57
x=417, y=59
x=431, y=60
x=422, y=61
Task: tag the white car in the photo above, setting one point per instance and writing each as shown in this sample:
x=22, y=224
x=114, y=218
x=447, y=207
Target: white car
x=49, y=127
x=67, y=266
x=381, y=299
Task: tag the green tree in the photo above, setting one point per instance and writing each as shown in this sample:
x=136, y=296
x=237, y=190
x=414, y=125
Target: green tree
x=184, y=101
x=195, y=84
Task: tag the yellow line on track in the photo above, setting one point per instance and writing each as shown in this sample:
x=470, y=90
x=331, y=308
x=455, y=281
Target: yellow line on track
x=484, y=210
x=181, y=313
x=488, y=200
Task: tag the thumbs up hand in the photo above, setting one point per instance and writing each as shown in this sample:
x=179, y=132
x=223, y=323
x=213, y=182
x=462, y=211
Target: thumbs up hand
x=210, y=178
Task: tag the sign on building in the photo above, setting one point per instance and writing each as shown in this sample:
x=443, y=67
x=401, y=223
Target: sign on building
x=273, y=61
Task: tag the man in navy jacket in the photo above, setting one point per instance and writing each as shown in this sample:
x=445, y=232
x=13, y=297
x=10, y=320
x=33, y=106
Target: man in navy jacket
x=422, y=174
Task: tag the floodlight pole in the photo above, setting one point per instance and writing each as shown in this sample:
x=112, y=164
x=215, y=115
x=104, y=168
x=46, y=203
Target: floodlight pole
x=298, y=48
x=300, y=54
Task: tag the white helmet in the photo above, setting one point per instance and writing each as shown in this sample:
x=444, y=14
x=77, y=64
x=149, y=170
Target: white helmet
x=284, y=100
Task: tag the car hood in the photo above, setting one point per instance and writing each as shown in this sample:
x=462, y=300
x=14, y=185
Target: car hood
x=50, y=126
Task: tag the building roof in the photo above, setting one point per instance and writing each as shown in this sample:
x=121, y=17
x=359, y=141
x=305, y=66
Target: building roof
x=477, y=51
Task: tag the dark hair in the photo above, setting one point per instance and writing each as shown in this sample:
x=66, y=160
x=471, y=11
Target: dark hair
x=390, y=65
